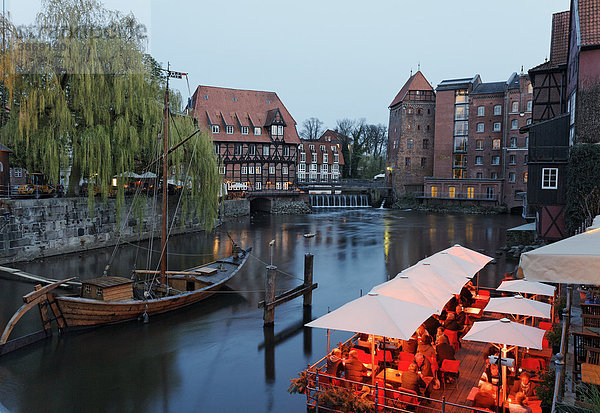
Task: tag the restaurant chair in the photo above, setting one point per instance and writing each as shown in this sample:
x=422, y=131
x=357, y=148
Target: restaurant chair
x=533, y=364
x=404, y=356
x=408, y=398
x=389, y=359
x=545, y=325
x=545, y=343
x=452, y=338
x=403, y=365
x=449, y=369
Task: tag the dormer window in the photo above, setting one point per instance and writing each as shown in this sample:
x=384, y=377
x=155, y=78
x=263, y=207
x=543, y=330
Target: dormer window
x=311, y=147
x=215, y=128
x=245, y=130
x=229, y=130
x=277, y=130
x=301, y=148
x=257, y=131
x=322, y=148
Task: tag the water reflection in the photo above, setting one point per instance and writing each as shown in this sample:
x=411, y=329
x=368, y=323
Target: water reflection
x=197, y=358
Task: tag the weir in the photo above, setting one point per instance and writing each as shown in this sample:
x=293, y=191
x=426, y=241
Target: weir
x=339, y=200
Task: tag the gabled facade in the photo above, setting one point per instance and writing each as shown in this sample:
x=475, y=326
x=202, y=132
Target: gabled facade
x=320, y=160
x=410, y=135
x=254, y=135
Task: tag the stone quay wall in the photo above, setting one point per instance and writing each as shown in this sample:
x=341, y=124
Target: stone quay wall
x=35, y=228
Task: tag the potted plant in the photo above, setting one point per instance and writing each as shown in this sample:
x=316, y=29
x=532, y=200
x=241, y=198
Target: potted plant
x=338, y=398
x=545, y=390
x=554, y=336
x=300, y=384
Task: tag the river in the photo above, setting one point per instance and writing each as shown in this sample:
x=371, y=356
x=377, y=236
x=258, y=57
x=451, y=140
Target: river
x=215, y=356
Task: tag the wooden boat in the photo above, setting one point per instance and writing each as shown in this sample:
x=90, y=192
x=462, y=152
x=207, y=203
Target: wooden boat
x=109, y=300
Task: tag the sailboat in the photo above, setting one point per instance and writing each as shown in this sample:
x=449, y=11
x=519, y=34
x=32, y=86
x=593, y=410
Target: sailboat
x=111, y=299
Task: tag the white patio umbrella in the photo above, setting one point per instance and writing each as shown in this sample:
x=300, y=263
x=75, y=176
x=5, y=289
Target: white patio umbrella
x=466, y=254
x=453, y=270
x=127, y=175
x=504, y=333
x=527, y=287
x=416, y=287
x=573, y=260
x=517, y=305
x=148, y=175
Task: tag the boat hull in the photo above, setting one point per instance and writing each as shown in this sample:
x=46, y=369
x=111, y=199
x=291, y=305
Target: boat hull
x=81, y=312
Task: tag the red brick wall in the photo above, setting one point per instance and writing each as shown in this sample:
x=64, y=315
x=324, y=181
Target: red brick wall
x=444, y=134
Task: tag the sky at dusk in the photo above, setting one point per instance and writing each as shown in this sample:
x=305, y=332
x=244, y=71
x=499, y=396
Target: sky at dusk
x=334, y=59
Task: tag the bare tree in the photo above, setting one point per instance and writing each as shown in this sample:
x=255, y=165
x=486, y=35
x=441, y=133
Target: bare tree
x=312, y=129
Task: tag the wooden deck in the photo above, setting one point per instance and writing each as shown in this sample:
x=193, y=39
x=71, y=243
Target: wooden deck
x=472, y=364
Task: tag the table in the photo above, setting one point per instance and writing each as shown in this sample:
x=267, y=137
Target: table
x=391, y=376
x=595, y=330
x=590, y=373
x=473, y=311
x=544, y=353
x=481, y=297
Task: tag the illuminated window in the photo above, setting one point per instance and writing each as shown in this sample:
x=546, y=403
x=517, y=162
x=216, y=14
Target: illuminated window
x=434, y=191
x=470, y=192
x=479, y=144
x=496, y=144
x=515, y=107
x=452, y=191
x=530, y=88
x=525, y=177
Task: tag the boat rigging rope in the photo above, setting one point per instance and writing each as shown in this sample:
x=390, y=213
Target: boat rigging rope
x=278, y=270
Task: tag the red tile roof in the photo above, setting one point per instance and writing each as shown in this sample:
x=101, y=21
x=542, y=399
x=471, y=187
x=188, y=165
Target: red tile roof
x=330, y=136
x=589, y=22
x=559, y=44
x=415, y=82
x=237, y=108
x=331, y=146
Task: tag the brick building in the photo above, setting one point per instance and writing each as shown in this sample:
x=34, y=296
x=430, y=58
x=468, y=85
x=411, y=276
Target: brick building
x=254, y=135
x=480, y=154
x=410, y=135
x=320, y=160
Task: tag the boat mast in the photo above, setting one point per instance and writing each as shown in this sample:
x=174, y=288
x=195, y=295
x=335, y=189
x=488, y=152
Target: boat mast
x=163, y=239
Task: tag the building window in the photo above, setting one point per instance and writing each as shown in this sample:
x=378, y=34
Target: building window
x=273, y=130
x=237, y=149
x=265, y=150
x=526, y=159
x=515, y=107
x=314, y=157
x=512, y=177
x=322, y=147
x=423, y=162
x=258, y=170
x=99, y=291
x=513, y=142
x=434, y=191
x=284, y=170
x=425, y=143
x=479, y=175
x=217, y=148
x=244, y=170
x=286, y=150
x=215, y=128
x=409, y=144
x=496, y=144
x=530, y=88
x=461, y=128
x=452, y=191
x=336, y=157
x=481, y=111
x=258, y=186
x=549, y=178
x=18, y=172
x=498, y=110
x=335, y=169
x=497, y=127
x=229, y=129
x=479, y=144
x=470, y=192
x=512, y=159
x=494, y=175
x=324, y=168
x=245, y=130
x=277, y=185
x=257, y=131
x=461, y=112
x=407, y=161
x=514, y=124
x=529, y=105
x=479, y=160
x=480, y=127
x=528, y=122
x=460, y=144
x=311, y=147
x=301, y=148
x=525, y=177
x=251, y=170
x=280, y=130
x=222, y=170
x=252, y=149
x=489, y=192
x=302, y=156
x=271, y=170
x=325, y=157
x=496, y=160
x=88, y=289
x=285, y=186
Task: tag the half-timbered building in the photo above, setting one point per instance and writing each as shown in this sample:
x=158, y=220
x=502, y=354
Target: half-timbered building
x=254, y=135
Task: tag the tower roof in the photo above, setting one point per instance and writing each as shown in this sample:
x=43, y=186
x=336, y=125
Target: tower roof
x=415, y=82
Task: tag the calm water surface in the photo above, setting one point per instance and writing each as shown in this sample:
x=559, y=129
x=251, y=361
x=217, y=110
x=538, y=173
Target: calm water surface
x=215, y=356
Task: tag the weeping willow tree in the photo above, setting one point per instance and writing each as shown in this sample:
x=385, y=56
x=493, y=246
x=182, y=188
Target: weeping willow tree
x=84, y=97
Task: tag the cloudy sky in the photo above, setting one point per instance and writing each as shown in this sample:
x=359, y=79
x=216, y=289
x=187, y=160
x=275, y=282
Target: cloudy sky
x=335, y=59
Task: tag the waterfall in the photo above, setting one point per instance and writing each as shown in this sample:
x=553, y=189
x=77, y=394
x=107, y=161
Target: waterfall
x=339, y=201
x=382, y=204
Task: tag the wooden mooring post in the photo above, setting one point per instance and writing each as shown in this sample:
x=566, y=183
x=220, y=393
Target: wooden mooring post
x=271, y=300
